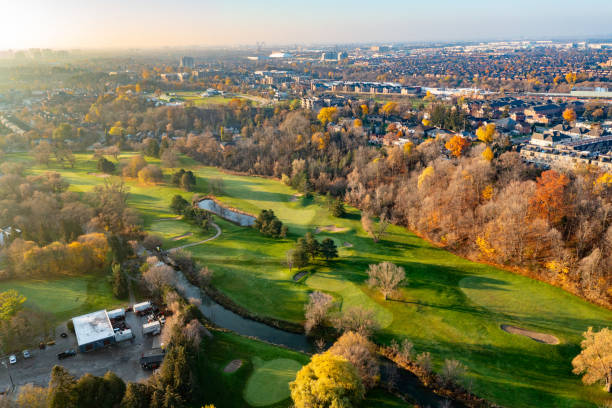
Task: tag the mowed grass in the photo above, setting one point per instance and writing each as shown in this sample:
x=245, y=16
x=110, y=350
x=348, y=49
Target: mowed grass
x=263, y=378
x=67, y=297
x=269, y=383
x=449, y=306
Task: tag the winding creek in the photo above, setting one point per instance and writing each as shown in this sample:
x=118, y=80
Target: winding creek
x=402, y=380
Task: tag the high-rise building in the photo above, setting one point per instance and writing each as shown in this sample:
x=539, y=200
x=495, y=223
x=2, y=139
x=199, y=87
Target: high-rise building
x=187, y=62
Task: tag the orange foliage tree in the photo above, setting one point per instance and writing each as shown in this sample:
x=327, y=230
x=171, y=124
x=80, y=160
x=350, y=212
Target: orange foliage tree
x=457, y=145
x=569, y=115
x=549, y=201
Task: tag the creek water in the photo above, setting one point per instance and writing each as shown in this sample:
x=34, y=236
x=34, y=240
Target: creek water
x=243, y=220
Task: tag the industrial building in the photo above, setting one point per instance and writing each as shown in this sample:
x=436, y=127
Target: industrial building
x=93, y=331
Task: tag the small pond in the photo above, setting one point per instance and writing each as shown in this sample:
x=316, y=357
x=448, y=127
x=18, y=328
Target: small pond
x=243, y=220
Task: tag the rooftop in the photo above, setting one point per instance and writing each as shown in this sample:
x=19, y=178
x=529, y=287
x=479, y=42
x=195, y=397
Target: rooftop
x=92, y=327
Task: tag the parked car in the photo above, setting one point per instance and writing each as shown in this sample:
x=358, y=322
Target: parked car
x=66, y=354
x=12, y=359
x=26, y=354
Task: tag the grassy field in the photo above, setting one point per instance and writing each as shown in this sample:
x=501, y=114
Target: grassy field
x=450, y=307
x=198, y=100
x=67, y=297
x=263, y=378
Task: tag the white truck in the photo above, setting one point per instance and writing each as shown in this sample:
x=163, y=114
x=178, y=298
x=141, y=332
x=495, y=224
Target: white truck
x=142, y=308
x=153, y=328
x=123, y=335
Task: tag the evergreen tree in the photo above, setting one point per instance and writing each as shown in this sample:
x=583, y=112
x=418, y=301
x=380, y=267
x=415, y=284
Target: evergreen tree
x=62, y=389
x=328, y=249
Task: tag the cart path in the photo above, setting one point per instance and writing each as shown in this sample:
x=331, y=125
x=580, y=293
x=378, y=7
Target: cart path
x=200, y=242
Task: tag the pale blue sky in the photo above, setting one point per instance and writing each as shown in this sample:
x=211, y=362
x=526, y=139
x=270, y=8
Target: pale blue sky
x=153, y=23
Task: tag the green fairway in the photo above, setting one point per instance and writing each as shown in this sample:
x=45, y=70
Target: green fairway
x=263, y=378
x=449, y=306
x=65, y=298
x=269, y=383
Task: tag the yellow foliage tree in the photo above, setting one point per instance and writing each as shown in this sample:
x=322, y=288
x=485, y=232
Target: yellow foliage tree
x=485, y=248
x=426, y=122
x=358, y=123
x=408, y=147
x=389, y=108
x=595, y=359
x=425, y=174
x=487, y=192
x=487, y=154
x=328, y=381
x=327, y=115
x=365, y=110
x=569, y=115
x=486, y=133
x=604, y=181
x=570, y=78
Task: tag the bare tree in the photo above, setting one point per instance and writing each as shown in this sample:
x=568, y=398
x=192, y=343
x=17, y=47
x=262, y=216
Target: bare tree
x=317, y=309
x=362, y=353
x=357, y=319
x=452, y=371
x=386, y=276
x=158, y=276
x=423, y=360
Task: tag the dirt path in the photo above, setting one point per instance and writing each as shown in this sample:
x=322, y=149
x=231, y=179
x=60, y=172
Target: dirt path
x=200, y=242
x=539, y=337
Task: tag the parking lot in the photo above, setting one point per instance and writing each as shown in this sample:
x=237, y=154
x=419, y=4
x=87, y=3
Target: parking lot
x=122, y=358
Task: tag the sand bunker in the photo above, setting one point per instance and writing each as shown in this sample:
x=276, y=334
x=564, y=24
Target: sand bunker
x=99, y=174
x=299, y=276
x=330, y=228
x=233, y=366
x=539, y=337
x=347, y=245
x=188, y=234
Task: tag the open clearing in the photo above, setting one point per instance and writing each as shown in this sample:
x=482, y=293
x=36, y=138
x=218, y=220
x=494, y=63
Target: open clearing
x=65, y=297
x=541, y=337
x=449, y=306
x=269, y=383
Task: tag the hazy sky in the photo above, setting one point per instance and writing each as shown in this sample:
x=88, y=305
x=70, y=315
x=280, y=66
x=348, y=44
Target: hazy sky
x=153, y=23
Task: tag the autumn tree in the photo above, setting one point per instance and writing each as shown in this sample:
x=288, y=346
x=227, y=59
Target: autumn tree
x=389, y=108
x=549, y=201
x=595, y=359
x=570, y=78
x=327, y=115
x=485, y=133
x=569, y=115
x=487, y=154
x=31, y=396
x=10, y=303
x=328, y=381
x=386, y=276
x=150, y=174
x=457, y=145
x=361, y=352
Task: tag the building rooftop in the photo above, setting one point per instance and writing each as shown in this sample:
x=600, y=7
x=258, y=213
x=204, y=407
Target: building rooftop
x=93, y=327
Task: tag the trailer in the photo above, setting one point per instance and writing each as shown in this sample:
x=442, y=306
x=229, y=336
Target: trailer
x=124, y=335
x=153, y=328
x=142, y=308
x=116, y=314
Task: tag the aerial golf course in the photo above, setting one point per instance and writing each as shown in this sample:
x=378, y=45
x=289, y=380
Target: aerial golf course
x=449, y=306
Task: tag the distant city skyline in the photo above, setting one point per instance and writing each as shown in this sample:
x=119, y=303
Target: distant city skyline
x=189, y=23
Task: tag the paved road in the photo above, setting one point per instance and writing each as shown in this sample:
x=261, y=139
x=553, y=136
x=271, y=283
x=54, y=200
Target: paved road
x=200, y=242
